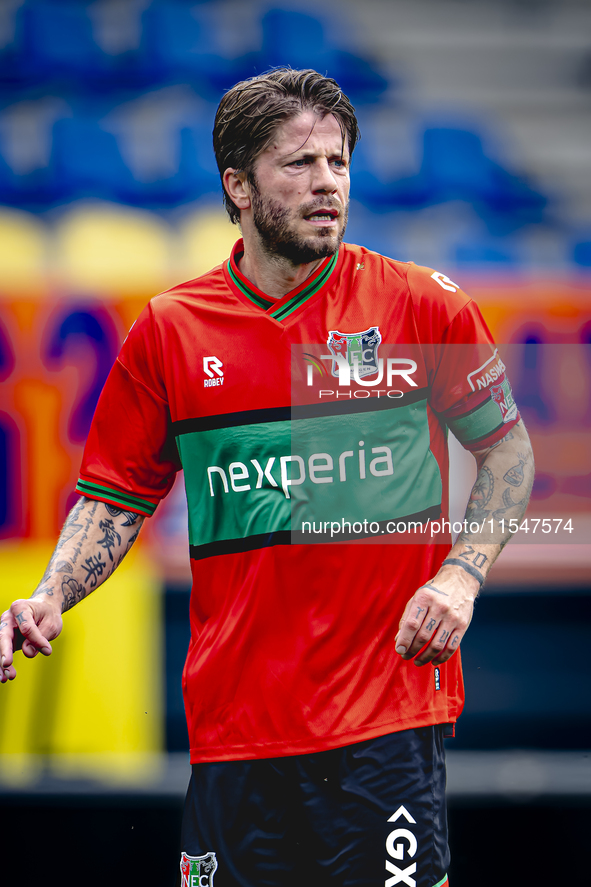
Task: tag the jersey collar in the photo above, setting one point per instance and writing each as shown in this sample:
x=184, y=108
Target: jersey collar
x=279, y=308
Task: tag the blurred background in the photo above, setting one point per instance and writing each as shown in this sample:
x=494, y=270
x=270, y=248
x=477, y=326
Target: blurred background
x=475, y=159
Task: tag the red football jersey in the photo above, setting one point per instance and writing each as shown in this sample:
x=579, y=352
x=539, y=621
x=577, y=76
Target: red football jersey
x=312, y=435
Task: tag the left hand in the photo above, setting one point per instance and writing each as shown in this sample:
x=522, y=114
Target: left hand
x=437, y=616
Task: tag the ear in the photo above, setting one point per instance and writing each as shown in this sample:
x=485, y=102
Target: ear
x=237, y=188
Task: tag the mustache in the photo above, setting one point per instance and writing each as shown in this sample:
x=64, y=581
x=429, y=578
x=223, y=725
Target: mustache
x=322, y=203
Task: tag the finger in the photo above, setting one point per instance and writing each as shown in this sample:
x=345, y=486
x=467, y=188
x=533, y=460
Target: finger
x=437, y=647
x=421, y=638
x=7, y=670
x=7, y=673
x=29, y=650
x=416, y=628
x=452, y=645
x=26, y=625
x=7, y=627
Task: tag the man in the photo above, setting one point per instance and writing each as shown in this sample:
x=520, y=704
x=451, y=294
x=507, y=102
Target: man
x=316, y=741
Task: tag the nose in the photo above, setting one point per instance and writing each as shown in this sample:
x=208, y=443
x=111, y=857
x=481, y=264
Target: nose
x=323, y=180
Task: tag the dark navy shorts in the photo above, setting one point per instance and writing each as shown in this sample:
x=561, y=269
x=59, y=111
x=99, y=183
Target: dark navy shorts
x=370, y=815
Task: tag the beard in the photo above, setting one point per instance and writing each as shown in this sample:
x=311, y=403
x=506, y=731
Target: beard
x=276, y=226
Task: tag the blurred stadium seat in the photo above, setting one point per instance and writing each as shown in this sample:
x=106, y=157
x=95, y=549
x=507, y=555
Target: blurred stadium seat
x=86, y=161
x=303, y=41
x=176, y=44
x=205, y=239
x=23, y=252
x=455, y=167
x=107, y=249
x=56, y=41
x=582, y=253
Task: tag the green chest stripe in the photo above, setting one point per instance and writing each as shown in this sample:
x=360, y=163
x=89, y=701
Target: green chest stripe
x=271, y=477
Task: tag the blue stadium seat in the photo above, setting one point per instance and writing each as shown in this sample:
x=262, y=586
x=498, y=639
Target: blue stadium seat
x=484, y=252
x=86, y=161
x=56, y=40
x=9, y=189
x=455, y=167
x=198, y=170
x=582, y=253
x=175, y=44
x=297, y=39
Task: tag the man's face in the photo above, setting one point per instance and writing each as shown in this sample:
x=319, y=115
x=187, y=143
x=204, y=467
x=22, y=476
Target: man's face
x=300, y=189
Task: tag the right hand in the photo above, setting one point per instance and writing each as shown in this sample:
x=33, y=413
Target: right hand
x=29, y=625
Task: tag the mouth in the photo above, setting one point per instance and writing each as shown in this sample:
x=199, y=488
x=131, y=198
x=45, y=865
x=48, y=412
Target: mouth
x=322, y=216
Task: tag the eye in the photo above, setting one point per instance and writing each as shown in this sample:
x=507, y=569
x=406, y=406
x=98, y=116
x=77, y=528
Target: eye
x=299, y=163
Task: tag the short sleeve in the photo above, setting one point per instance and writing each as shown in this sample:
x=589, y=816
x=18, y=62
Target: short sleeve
x=130, y=459
x=470, y=390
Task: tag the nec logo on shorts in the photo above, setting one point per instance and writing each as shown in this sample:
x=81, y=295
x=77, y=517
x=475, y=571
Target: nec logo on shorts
x=401, y=844
x=198, y=871
x=217, y=376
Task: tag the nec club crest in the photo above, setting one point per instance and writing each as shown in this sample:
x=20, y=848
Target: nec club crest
x=501, y=394
x=359, y=350
x=198, y=871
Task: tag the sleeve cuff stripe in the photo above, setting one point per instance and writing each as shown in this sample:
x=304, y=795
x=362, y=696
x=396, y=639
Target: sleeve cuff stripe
x=123, y=500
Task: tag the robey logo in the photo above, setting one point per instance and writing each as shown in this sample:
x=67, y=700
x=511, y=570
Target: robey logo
x=215, y=364
x=444, y=282
x=401, y=845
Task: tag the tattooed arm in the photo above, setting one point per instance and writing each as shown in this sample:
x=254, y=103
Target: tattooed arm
x=95, y=539
x=438, y=614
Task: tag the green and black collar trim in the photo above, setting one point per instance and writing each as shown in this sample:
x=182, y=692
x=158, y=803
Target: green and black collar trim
x=115, y=497
x=281, y=308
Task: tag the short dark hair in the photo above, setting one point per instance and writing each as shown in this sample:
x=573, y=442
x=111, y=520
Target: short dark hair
x=251, y=112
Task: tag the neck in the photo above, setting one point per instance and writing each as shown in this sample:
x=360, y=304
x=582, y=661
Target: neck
x=273, y=275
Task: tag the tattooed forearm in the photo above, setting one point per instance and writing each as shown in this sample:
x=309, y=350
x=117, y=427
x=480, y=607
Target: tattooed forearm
x=72, y=593
x=95, y=539
x=43, y=589
x=481, y=495
x=111, y=537
x=514, y=475
x=131, y=517
x=478, y=558
x=508, y=503
x=132, y=539
x=63, y=567
x=94, y=567
x=504, y=468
